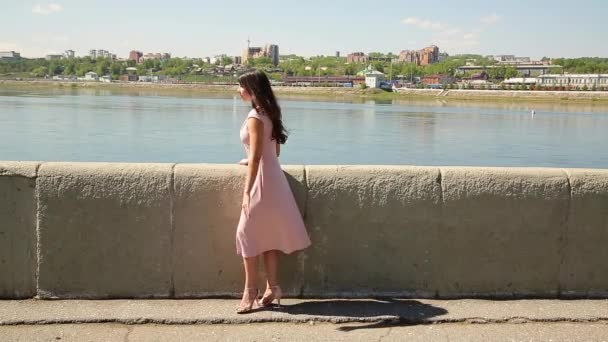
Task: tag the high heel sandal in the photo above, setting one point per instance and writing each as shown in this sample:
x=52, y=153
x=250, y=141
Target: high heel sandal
x=275, y=293
x=249, y=293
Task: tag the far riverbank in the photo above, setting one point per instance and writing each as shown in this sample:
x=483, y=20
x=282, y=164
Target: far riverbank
x=335, y=92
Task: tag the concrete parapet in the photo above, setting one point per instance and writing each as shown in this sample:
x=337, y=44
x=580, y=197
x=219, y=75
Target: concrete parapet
x=584, y=269
x=501, y=231
x=106, y=230
x=18, y=229
x=373, y=230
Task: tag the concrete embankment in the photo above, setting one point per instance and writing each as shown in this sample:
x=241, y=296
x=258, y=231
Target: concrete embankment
x=525, y=94
x=324, y=92
x=110, y=230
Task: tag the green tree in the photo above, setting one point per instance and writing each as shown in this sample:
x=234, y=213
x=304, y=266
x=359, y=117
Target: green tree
x=70, y=68
x=227, y=60
x=117, y=69
x=260, y=62
x=510, y=72
x=102, y=68
x=350, y=70
x=149, y=63
x=40, y=71
x=55, y=68
x=378, y=66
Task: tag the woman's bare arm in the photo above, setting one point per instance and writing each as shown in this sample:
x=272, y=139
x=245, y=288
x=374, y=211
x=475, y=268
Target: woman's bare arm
x=256, y=132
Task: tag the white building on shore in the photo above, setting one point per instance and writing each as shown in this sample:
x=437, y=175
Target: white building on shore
x=373, y=78
x=91, y=76
x=574, y=80
x=9, y=55
x=521, y=80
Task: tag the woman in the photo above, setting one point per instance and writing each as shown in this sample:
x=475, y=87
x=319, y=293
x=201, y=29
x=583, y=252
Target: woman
x=270, y=220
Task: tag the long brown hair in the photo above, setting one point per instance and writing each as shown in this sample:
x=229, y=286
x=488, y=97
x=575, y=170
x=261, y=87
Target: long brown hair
x=263, y=100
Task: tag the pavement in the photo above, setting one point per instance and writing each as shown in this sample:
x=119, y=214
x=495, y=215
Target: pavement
x=304, y=320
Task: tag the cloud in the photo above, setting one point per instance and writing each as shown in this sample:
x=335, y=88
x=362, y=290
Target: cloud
x=491, y=19
x=423, y=23
x=450, y=32
x=453, y=45
x=454, y=39
x=47, y=9
x=50, y=38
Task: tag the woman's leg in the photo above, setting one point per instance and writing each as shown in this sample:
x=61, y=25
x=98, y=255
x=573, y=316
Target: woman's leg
x=271, y=263
x=251, y=276
x=273, y=291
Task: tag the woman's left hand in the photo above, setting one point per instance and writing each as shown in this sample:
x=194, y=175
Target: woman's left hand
x=246, y=204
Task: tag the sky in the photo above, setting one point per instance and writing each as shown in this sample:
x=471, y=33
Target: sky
x=202, y=28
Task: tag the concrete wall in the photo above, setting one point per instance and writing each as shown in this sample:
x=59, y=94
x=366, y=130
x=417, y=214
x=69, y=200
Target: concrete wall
x=104, y=230
x=17, y=229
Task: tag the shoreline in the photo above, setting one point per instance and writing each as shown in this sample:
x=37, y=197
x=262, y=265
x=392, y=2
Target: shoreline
x=595, y=97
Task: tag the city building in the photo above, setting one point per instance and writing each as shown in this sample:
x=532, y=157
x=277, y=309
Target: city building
x=337, y=54
x=135, y=55
x=436, y=79
x=69, y=54
x=385, y=59
x=218, y=59
x=238, y=60
x=429, y=55
x=250, y=53
x=101, y=54
x=357, y=57
x=408, y=56
x=426, y=56
x=160, y=56
x=512, y=60
x=503, y=58
x=574, y=81
x=270, y=50
x=9, y=55
x=53, y=57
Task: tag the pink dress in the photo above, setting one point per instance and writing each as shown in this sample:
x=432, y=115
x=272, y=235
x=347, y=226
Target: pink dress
x=274, y=221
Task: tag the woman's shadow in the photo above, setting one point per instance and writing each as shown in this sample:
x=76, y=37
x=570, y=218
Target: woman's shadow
x=379, y=312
